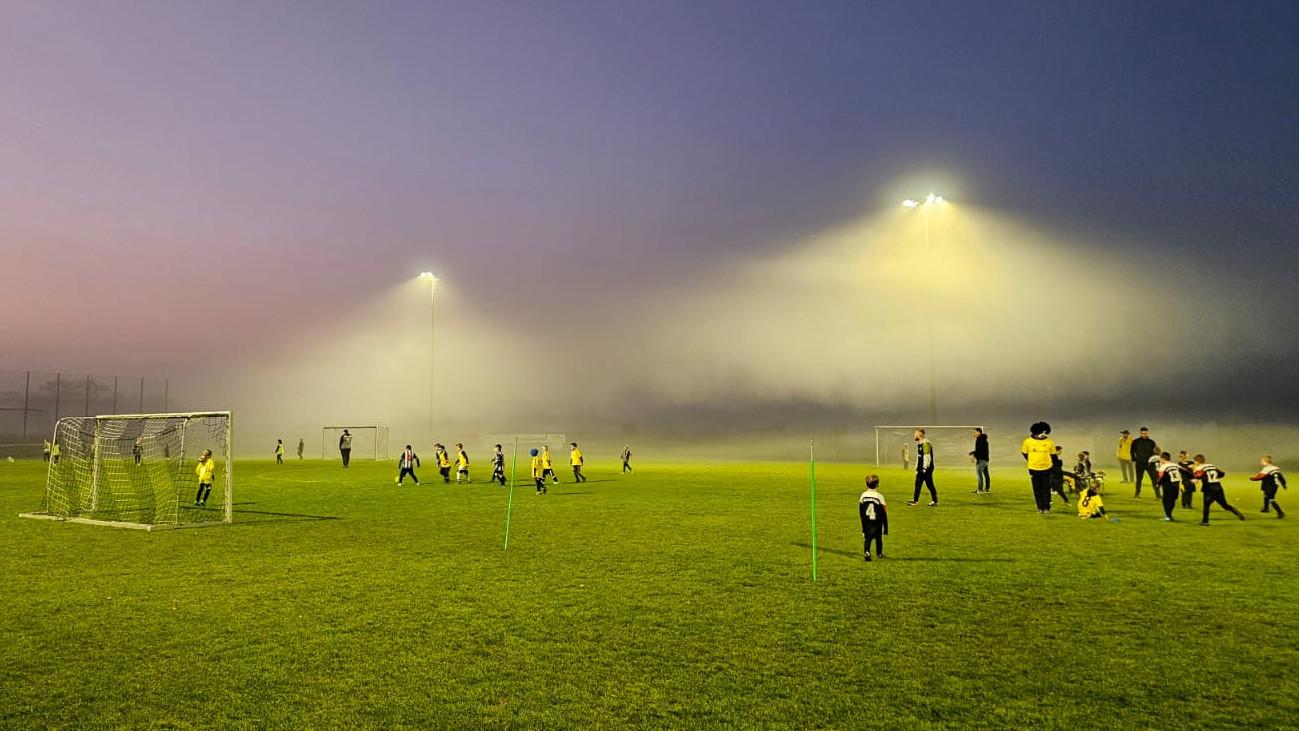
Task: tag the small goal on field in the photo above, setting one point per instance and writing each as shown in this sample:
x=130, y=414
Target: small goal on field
x=138, y=470
x=895, y=446
x=368, y=442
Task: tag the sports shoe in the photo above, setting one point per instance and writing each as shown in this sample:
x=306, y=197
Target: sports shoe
x=932, y=504
x=879, y=555
x=1167, y=519
x=913, y=502
x=1204, y=522
x=868, y=557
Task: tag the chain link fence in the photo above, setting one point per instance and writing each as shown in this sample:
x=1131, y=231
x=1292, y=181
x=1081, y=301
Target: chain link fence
x=32, y=401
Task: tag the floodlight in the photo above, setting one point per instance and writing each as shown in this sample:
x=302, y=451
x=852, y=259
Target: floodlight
x=910, y=203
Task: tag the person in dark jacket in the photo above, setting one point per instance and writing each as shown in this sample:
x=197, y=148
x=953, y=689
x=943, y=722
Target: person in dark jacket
x=980, y=456
x=1143, y=448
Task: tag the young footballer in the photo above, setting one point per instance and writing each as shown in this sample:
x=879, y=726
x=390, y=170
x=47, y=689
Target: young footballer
x=924, y=469
x=1168, y=482
x=345, y=447
x=874, y=515
x=538, y=472
x=205, y=469
x=1057, y=474
x=548, y=464
x=279, y=451
x=462, y=464
x=576, y=460
x=1187, y=466
x=301, y=445
x=1271, y=477
x=626, y=458
x=498, y=465
x=1090, y=505
x=1211, y=488
x=137, y=452
x=45, y=450
x=408, y=462
x=444, y=461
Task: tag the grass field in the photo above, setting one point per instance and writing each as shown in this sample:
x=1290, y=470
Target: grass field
x=679, y=597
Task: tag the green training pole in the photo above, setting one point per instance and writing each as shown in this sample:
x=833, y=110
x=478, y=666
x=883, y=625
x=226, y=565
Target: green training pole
x=509, y=505
x=811, y=463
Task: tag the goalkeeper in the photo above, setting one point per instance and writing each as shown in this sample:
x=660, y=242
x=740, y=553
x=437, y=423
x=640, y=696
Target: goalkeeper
x=205, y=469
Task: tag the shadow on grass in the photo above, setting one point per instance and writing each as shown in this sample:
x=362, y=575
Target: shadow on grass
x=273, y=517
x=955, y=559
x=574, y=493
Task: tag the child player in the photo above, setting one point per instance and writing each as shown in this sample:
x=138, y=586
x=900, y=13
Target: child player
x=1271, y=476
x=1057, y=474
x=408, y=462
x=205, y=469
x=1187, y=466
x=279, y=451
x=626, y=458
x=548, y=464
x=874, y=517
x=462, y=464
x=576, y=459
x=1168, y=481
x=538, y=473
x=498, y=465
x=1090, y=505
x=444, y=461
x=1211, y=488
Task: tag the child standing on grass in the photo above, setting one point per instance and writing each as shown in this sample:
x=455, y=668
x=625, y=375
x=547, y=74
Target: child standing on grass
x=874, y=515
x=1187, y=466
x=1211, y=488
x=1168, y=483
x=1057, y=475
x=279, y=451
x=538, y=472
x=1271, y=477
x=548, y=464
x=205, y=470
x=626, y=458
x=408, y=462
x=444, y=461
x=301, y=446
x=498, y=466
x=462, y=464
x=577, y=460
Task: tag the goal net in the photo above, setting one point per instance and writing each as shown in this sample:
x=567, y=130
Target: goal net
x=368, y=442
x=895, y=445
x=138, y=470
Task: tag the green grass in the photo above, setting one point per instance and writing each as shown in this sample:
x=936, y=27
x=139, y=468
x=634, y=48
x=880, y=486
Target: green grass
x=679, y=597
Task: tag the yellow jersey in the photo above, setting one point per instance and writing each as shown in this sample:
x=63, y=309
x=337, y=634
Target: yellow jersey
x=279, y=450
x=575, y=457
x=545, y=460
x=444, y=460
x=1089, y=505
x=536, y=467
x=205, y=470
x=1125, y=449
x=1038, y=452
x=462, y=459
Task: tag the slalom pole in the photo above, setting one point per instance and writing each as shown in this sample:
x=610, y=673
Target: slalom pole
x=811, y=464
x=509, y=505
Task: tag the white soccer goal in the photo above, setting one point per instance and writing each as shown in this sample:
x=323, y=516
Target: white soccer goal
x=558, y=443
x=138, y=470
x=952, y=445
x=368, y=442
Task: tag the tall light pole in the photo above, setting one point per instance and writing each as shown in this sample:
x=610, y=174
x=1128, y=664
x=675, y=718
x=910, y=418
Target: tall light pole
x=432, y=351
x=929, y=202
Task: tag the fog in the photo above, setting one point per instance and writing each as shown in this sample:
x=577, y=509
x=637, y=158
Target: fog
x=824, y=335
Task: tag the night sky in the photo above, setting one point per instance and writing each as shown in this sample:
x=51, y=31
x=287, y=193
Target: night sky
x=246, y=169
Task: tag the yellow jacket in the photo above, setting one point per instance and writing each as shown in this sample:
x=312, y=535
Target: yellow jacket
x=536, y=467
x=545, y=460
x=575, y=457
x=444, y=459
x=462, y=459
x=1038, y=452
x=1089, y=505
x=205, y=470
x=1125, y=448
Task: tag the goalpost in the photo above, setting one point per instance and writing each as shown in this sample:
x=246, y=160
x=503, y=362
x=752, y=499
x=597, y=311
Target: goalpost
x=138, y=470
x=368, y=442
x=947, y=440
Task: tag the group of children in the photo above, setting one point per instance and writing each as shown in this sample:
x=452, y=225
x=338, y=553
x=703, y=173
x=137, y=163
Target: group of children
x=543, y=465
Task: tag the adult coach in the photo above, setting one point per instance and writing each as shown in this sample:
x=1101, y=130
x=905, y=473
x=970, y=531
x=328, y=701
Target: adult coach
x=345, y=447
x=924, y=469
x=1038, y=449
x=1143, y=448
x=980, y=455
x=1124, y=453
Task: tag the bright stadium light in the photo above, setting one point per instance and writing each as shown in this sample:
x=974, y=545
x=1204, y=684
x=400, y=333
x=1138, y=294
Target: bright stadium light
x=930, y=201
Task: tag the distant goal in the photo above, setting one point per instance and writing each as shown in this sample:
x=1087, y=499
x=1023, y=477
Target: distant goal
x=368, y=442
x=895, y=445
x=138, y=470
